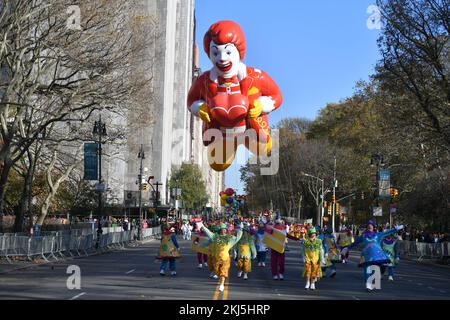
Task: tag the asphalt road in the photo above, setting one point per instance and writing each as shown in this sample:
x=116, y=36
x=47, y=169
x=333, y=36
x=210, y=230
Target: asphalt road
x=133, y=273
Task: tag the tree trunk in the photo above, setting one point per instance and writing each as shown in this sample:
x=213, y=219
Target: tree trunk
x=23, y=204
x=3, y=180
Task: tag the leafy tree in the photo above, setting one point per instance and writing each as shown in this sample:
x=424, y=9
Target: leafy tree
x=189, y=178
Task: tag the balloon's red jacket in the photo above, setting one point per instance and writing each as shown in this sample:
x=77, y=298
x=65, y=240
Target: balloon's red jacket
x=230, y=112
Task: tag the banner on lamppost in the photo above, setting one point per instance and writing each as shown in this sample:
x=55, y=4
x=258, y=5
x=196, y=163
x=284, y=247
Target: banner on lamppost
x=90, y=161
x=384, y=184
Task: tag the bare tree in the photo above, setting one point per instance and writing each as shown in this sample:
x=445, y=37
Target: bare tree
x=53, y=74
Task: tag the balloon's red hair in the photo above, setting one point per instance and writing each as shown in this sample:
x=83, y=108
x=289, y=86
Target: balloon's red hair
x=224, y=32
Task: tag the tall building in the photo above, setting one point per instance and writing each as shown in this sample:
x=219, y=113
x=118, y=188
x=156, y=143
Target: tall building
x=168, y=132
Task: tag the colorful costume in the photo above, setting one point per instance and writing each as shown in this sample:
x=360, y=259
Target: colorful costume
x=372, y=253
x=202, y=252
x=331, y=251
x=168, y=251
x=390, y=248
x=277, y=259
x=246, y=251
x=344, y=240
x=313, y=257
x=221, y=246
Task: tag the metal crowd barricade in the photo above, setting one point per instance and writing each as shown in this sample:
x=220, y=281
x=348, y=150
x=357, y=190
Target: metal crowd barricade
x=52, y=243
x=422, y=250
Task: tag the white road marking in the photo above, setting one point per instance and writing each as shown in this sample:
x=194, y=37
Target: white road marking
x=77, y=296
x=420, y=284
x=442, y=291
x=356, y=298
x=431, y=288
x=132, y=270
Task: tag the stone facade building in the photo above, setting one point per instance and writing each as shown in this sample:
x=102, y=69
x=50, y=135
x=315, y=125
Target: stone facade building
x=168, y=132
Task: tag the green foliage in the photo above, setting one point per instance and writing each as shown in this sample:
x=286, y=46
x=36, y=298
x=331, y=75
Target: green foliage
x=189, y=178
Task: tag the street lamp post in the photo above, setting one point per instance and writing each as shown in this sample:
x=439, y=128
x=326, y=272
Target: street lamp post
x=100, y=130
x=141, y=156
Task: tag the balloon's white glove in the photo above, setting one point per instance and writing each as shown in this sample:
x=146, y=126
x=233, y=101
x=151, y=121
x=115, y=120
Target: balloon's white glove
x=241, y=225
x=400, y=227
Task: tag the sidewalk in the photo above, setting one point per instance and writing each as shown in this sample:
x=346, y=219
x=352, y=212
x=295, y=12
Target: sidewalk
x=433, y=262
x=22, y=263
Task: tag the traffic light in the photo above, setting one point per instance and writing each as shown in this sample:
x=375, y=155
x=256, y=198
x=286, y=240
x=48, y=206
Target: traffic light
x=337, y=208
x=145, y=186
x=394, y=192
x=325, y=204
x=333, y=198
x=329, y=210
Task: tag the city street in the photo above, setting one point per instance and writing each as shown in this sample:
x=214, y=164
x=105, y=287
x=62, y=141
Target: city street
x=133, y=273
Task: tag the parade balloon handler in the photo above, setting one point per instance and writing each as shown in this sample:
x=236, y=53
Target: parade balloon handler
x=372, y=252
x=223, y=243
x=345, y=239
x=231, y=97
x=332, y=255
x=313, y=257
x=260, y=246
x=246, y=252
x=390, y=248
x=169, y=251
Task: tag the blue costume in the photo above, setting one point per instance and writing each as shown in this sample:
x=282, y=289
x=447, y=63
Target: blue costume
x=372, y=253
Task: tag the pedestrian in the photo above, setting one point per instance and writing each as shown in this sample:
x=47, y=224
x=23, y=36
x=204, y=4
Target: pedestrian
x=246, y=252
x=313, y=258
x=277, y=259
x=372, y=253
x=188, y=231
x=169, y=250
x=390, y=248
x=222, y=243
x=261, y=249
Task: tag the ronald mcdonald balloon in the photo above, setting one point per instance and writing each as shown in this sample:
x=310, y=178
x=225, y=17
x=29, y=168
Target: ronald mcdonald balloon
x=232, y=98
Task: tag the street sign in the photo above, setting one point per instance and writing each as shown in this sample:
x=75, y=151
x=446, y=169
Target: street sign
x=377, y=212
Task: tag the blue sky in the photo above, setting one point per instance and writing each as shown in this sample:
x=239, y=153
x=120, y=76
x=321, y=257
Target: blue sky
x=315, y=50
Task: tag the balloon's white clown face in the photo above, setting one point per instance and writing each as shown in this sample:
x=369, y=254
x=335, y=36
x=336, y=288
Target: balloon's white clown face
x=225, y=58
